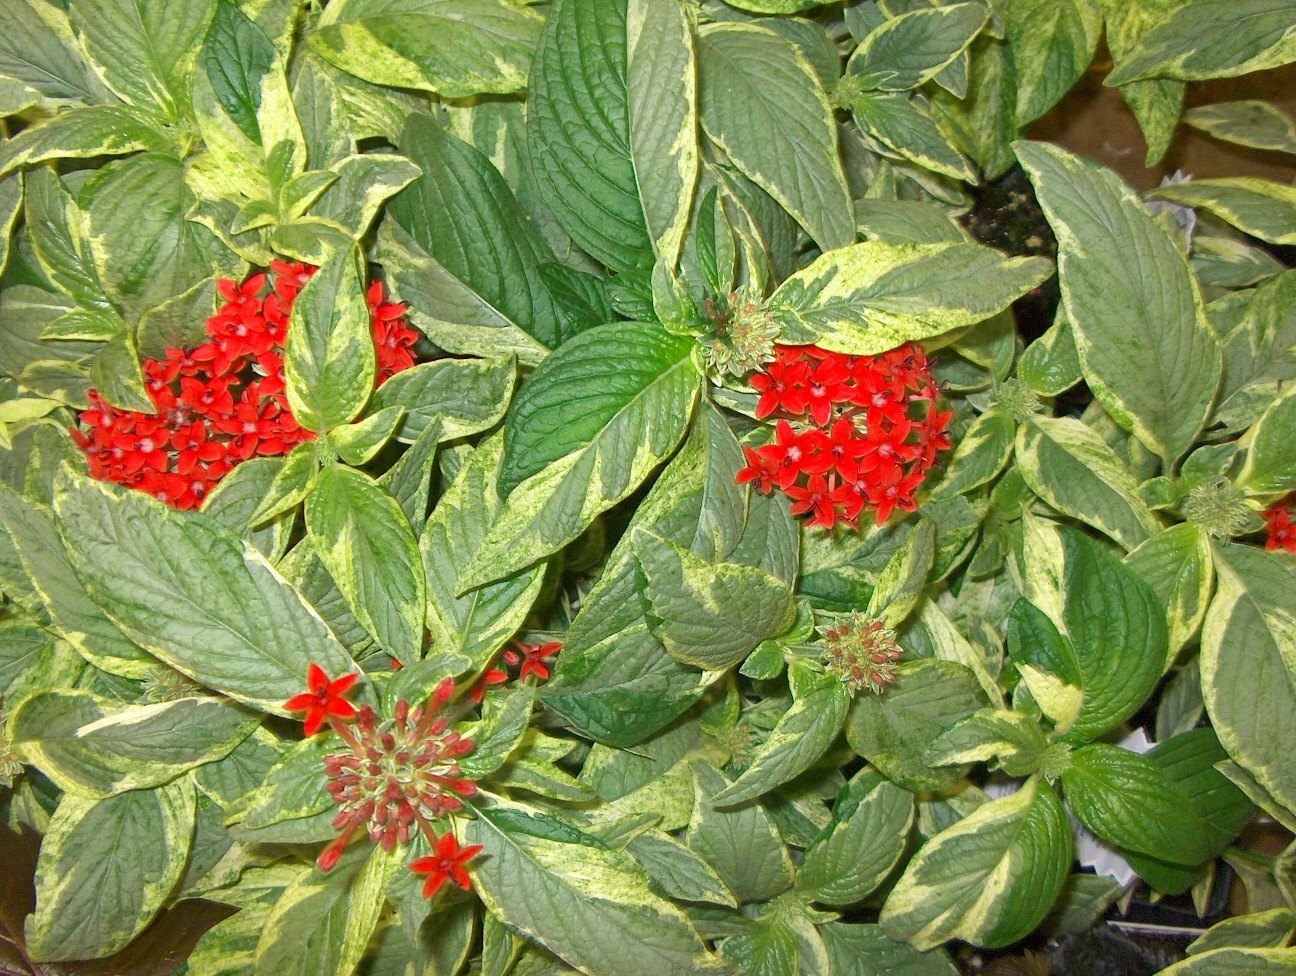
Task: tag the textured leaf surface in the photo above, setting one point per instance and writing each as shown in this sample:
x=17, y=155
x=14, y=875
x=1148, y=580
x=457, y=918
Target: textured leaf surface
x=742, y=844
x=566, y=461
x=762, y=104
x=1251, y=698
x=87, y=744
x=329, y=358
x=194, y=594
x=870, y=297
x=1147, y=349
x=105, y=869
x=456, y=48
x=558, y=885
x=989, y=879
x=365, y=542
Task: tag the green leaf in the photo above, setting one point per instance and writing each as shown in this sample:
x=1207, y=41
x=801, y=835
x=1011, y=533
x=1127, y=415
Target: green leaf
x=1051, y=365
x=1176, y=563
x=1261, y=930
x=365, y=542
x=290, y=485
x=864, y=950
x=615, y=681
x=566, y=461
x=1052, y=44
x=358, y=442
x=871, y=297
x=1084, y=898
x=464, y=396
x=1116, y=626
x=236, y=56
x=477, y=623
x=870, y=829
x=982, y=124
x=803, y=734
x=989, y=879
x=1128, y=800
x=1137, y=320
x=445, y=307
x=906, y=126
x=87, y=745
x=463, y=215
x=194, y=594
x=329, y=358
x=1271, y=461
x=894, y=730
x=710, y=616
x=1261, y=208
x=761, y=103
x=235, y=500
x=144, y=249
x=906, y=51
x=455, y=48
x=557, y=885
x=81, y=133
x=1015, y=740
x=38, y=49
x=899, y=586
x=1250, y=697
x=982, y=453
x=322, y=923
x=106, y=867
x=145, y=49
x=1236, y=962
x=54, y=578
x=1070, y=466
x=1244, y=36
x=661, y=104
x=581, y=133
x=363, y=182
x=677, y=872
x=1257, y=124
x=742, y=845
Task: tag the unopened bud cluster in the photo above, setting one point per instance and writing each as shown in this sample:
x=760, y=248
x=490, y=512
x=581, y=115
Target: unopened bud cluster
x=861, y=652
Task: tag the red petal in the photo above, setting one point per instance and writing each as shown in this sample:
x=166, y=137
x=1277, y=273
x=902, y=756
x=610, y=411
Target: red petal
x=300, y=702
x=314, y=721
x=343, y=684
x=316, y=679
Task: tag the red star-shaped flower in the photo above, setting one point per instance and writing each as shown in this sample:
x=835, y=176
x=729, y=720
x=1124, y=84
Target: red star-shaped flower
x=445, y=863
x=532, y=658
x=323, y=699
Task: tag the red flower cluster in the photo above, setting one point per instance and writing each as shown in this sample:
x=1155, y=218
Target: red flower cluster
x=854, y=432
x=393, y=777
x=1279, y=530
x=222, y=402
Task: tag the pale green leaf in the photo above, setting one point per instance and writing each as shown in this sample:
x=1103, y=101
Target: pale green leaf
x=558, y=885
x=456, y=48
x=906, y=51
x=864, y=950
x=1148, y=352
x=1261, y=208
x=970, y=881
x=1257, y=124
x=88, y=745
x=80, y=133
x=194, y=594
x=871, y=297
x=463, y=396
x=761, y=103
x=1071, y=467
x=1052, y=43
x=1251, y=697
x=1177, y=564
x=106, y=868
x=477, y=623
x=1243, y=36
x=365, y=542
x=1261, y=930
x=38, y=49
x=906, y=126
x=329, y=358
x=742, y=845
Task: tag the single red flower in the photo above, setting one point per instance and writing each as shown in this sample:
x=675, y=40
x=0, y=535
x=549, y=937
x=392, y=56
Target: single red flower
x=323, y=699
x=446, y=863
x=1279, y=531
x=493, y=676
x=782, y=386
x=760, y=469
x=532, y=658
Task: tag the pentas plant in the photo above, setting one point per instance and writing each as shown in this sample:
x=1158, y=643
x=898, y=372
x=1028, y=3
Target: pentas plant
x=749, y=582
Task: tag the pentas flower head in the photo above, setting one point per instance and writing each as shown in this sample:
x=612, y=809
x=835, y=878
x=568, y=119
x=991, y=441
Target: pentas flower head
x=224, y=401
x=391, y=777
x=1280, y=533
x=861, y=652
x=851, y=433
x=523, y=660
